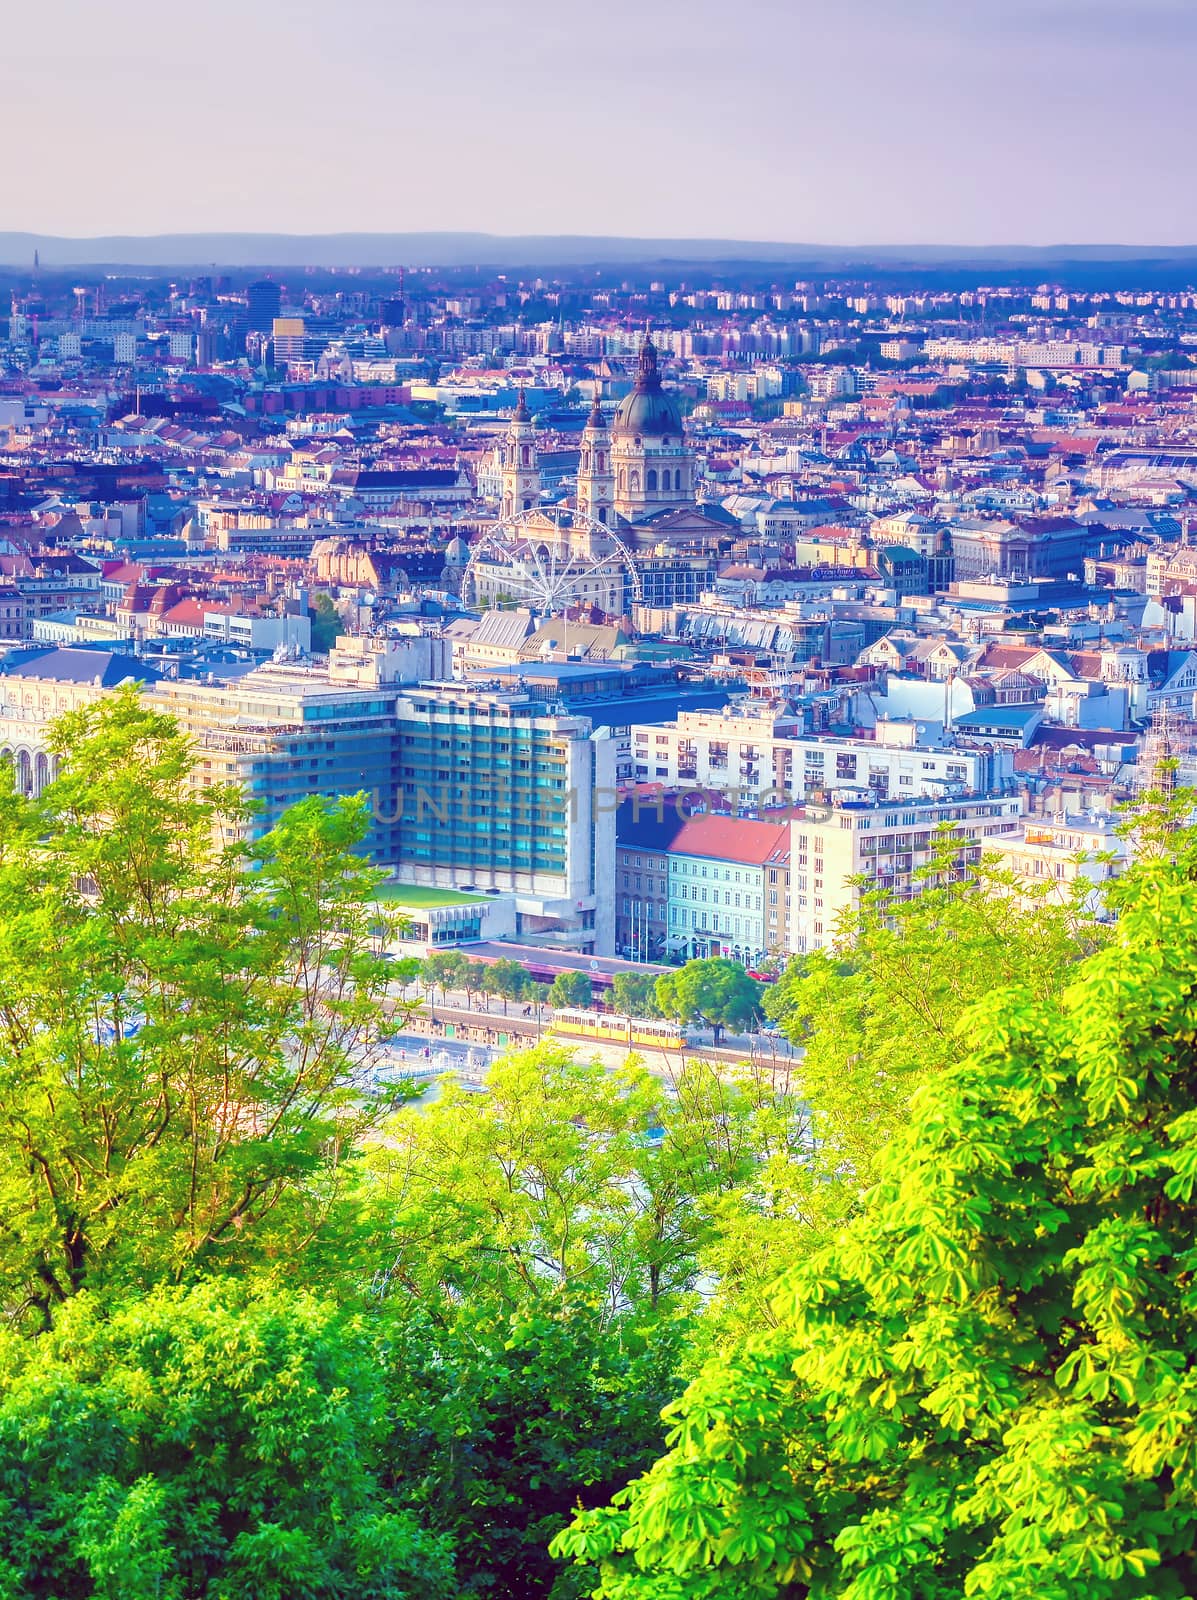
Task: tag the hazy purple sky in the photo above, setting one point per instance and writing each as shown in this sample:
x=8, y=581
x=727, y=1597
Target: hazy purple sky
x=836, y=121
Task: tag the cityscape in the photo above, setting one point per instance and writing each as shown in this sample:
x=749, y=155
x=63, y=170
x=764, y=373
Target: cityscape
x=598, y=802
x=549, y=552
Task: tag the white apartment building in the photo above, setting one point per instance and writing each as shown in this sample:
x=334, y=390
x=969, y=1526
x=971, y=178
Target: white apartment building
x=1053, y=353
x=759, y=755
x=1058, y=852
x=893, y=765
x=839, y=851
x=899, y=349
x=730, y=749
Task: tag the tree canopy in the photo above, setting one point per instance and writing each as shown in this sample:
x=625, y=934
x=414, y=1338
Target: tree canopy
x=916, y=1302
x=635, y=994
x=205, y=1443
x=571, y=989
x=982, y=1385
x=716, y=991
x=186, y=1021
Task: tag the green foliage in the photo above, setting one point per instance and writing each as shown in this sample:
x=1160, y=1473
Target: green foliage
x=445, y=970
x=204, y=1444
x=326, y=623
x=509, y=1421
x=473, y=979
x=507, y=980
x=542, y=1244
x=983, y=1385
x=635, y=994
x=971, y=1377
x=716, y=992
x=571, y=989
x=185, y=1022
x=564, y=1176
x=878, y=1015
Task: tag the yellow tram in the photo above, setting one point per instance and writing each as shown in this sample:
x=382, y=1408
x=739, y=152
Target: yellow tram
x=611, y=1028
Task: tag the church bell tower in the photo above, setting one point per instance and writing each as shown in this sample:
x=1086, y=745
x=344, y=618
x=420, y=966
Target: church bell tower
x=521, y=475
x=596, y=477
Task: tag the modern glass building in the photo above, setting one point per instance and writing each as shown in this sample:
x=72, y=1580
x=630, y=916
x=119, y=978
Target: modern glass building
x=498, y=791
x=283, y=733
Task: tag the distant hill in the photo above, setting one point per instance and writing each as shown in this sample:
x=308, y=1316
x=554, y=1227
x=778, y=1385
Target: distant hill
x=529, y=250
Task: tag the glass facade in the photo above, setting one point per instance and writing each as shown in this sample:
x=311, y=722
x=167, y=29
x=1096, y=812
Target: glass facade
x=483, y=786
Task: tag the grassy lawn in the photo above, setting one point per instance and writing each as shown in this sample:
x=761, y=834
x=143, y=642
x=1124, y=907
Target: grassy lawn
x=420, y=896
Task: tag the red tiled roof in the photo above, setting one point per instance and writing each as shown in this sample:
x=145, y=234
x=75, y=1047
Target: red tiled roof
x=733, y=839
x=187, y=614
x=999, y=656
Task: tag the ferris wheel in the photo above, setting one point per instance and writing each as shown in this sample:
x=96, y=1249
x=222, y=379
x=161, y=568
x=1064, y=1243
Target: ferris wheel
x=530, y=559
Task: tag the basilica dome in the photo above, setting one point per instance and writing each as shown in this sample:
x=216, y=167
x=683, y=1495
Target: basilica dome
x=648, y=410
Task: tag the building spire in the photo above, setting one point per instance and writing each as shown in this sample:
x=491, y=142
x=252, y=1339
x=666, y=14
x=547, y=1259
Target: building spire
x=521, y=410
x=646, y=375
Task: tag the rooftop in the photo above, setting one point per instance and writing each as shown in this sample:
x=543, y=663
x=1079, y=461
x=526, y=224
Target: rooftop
x=422, y=897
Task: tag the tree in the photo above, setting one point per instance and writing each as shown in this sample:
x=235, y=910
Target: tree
x=205, y=1441
x=875, y=1016
x=550, y=1233
x=571, y=989
x=187, y=1022
x=983, y=1384
x=716, y=992
x=507, y=980
x=404, y=973
x=565, y=1175
x=327, y=625
x=508, y=1421
x=473, y=980
x=635, y=994
x=445, y=970
x=507, y=1224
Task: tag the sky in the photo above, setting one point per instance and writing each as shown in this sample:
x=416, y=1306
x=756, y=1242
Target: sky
x=849, y=122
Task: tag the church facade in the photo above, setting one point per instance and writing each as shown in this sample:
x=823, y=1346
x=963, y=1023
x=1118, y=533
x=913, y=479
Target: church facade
x=636, y=476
